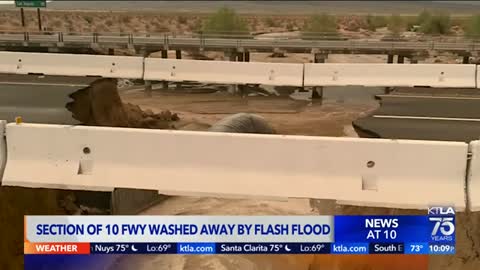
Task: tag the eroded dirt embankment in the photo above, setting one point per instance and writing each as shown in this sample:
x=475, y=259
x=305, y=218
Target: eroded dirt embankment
x=101, y=105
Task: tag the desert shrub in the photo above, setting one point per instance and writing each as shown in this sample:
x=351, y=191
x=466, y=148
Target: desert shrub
x=423, y=17
x=270, y=22
x=290, y=26
x=462, y=22
x=158, y=27
x=352, y=23
x=225, y=22
x=126, y=19
x=396, y=25
x=182, y=19
x=436, y=24
x=473, y=27
x=196, y=25
x=320, y=26
x=57, y=24
x=89, y=19
x=374, y=22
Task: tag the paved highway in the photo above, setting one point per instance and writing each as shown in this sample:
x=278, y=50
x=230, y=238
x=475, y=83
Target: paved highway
x=177, y=42
x=38, y=99
x=423, y=117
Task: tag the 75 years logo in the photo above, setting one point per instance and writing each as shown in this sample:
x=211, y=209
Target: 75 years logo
x=444, y=223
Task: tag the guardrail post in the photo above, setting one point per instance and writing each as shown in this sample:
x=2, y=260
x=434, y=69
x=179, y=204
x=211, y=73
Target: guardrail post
x=26, y=36
x=202, y=40
x=60, y=36
x=95, y=37
x=165, y=42
x=165, y=55
x=247, y=56
x=232, y=55
x=240, y=57
x=178, y=55
x=317, y=91
x=390, y=59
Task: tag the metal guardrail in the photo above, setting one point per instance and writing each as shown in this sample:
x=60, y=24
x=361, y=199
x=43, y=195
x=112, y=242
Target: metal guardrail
x=239, y=40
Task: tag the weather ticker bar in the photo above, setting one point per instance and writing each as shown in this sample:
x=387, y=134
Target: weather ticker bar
x=245, y=248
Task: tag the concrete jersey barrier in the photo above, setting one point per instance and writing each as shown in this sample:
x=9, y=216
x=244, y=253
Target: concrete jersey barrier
x=474, y=177
x=478, y=76
x=128, y=67
x=407, y=75
x=224, y=72
x=373, y=172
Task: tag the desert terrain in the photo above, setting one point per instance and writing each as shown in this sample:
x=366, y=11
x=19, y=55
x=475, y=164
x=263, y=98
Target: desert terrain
x=261, y=26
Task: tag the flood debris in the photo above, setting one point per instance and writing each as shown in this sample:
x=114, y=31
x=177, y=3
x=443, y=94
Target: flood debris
x=243, y=123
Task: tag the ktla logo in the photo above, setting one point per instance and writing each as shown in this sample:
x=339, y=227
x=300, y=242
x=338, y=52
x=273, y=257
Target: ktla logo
x=444, y=219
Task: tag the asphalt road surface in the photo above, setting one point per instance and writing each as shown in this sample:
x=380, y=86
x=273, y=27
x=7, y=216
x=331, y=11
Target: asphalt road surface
x=446, y=118
x=38, y=99
x=415, y=113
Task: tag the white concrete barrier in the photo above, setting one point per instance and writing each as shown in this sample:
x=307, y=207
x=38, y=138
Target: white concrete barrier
x=224, y=72
x=478, y=76
x=374, y=172
x=3, y=149
x=407, y=75
x=473, y=190
x=72, y=65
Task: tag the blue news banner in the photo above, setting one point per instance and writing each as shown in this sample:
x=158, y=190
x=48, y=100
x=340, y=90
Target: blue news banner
x=87, y=235
x=428, y=235
x=104, y=242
